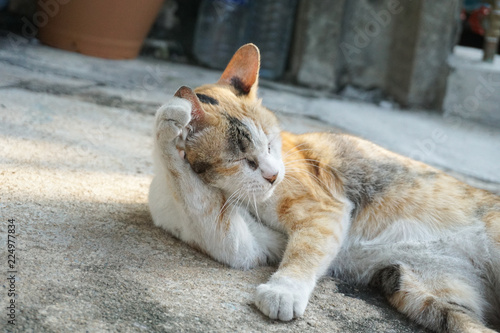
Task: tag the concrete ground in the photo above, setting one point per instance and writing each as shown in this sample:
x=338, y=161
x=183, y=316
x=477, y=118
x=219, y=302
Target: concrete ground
x=75, y=166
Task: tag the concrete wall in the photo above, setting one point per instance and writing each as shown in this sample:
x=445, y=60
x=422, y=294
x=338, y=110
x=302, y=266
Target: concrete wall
x=365, y=44
x=473, y=88
x=424, y=35
x=397, y=46
x=315, y=57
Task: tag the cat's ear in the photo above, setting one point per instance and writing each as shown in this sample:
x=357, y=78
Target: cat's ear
x=242, y=72
x=198, y=116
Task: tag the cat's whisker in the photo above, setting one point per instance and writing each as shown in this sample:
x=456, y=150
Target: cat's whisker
x=322, y=182
x=294, y=150
x=291, y=153
x=302, y=159
x=310, y=174
x=233, y=202
x=228, y=203
x=247, y=199
x=255, y=205
x=308, y=163
x=289, y=180
x=305, y=162
x=276, y=135
x=240, y=198
x=328, y=172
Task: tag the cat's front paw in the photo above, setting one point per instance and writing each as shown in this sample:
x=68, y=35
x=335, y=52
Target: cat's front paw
x=172, y=118
x=283, y=298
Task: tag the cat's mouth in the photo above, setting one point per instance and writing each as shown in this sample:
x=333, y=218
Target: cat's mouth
x=256, y=194
x=265, y=194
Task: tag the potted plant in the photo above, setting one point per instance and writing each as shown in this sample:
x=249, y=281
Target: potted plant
x=113, y=29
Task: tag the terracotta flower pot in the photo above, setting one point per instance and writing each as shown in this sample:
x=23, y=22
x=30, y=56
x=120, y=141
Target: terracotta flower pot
x=113, y=29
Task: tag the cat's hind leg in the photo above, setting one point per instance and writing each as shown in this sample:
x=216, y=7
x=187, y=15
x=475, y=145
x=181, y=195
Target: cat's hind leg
x=445, y=305
x=491, y=219
x=493, y=274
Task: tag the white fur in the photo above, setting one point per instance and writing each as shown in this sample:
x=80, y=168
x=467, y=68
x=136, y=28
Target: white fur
x=251, y=185
x=286, y=298
x=189, y=209
x=462, y=258
x=283, y=298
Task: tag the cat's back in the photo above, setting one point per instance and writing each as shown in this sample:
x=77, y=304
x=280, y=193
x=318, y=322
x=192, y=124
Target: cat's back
x=389, y=190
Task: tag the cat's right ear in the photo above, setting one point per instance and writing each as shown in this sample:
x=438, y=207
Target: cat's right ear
x=242, y=72
x=198, y=116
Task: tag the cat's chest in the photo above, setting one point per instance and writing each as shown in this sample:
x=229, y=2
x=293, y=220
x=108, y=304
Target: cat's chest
x=267, y=214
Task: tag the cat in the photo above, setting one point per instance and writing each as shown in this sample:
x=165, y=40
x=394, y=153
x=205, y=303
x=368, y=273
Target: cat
x=230, y=183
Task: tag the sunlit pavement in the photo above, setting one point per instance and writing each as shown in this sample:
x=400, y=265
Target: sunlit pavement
x=75, y=166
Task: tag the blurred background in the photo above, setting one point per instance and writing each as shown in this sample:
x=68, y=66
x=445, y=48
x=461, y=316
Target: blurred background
x=80, y=81
x=412, y=54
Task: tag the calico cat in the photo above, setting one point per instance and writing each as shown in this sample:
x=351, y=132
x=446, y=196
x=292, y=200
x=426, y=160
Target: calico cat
x=230, y=183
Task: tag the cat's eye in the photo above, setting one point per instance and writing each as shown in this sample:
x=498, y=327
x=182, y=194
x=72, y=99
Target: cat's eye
x=269, y=147
x=252, y=164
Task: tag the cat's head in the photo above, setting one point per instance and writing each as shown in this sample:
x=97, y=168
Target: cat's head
x=235, y=142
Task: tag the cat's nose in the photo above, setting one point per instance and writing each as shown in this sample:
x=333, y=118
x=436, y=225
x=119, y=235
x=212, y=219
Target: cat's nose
x=271, y=178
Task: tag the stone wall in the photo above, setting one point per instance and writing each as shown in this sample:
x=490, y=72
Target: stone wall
x=423, y=39
x=366, y=38
x=397, y=46
x=473, y=88
x=315, y=57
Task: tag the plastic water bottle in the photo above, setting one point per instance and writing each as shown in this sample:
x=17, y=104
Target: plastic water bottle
x=270, y=27
x=3, y=3
x=220, y=31
x=225, y=25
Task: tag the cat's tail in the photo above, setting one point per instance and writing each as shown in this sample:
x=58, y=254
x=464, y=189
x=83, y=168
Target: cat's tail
x=448, y=305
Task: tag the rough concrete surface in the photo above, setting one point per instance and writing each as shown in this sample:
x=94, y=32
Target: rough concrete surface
x=316, y=58
x=75, y=166
x=473, y=87
x=366, y=43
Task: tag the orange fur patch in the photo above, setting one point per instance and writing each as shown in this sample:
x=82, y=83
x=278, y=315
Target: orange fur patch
x=223, y=221
x=228, y=171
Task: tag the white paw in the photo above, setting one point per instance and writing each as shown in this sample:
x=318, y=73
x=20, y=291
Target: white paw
x=172, y=118
x=283, y=298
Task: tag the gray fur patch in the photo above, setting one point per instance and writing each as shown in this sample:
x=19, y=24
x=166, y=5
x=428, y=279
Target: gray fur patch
x=207, y=99
x=240, y=87
x=239, y=137
x=201, y=167
x=388, y=279
x=366, y=179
